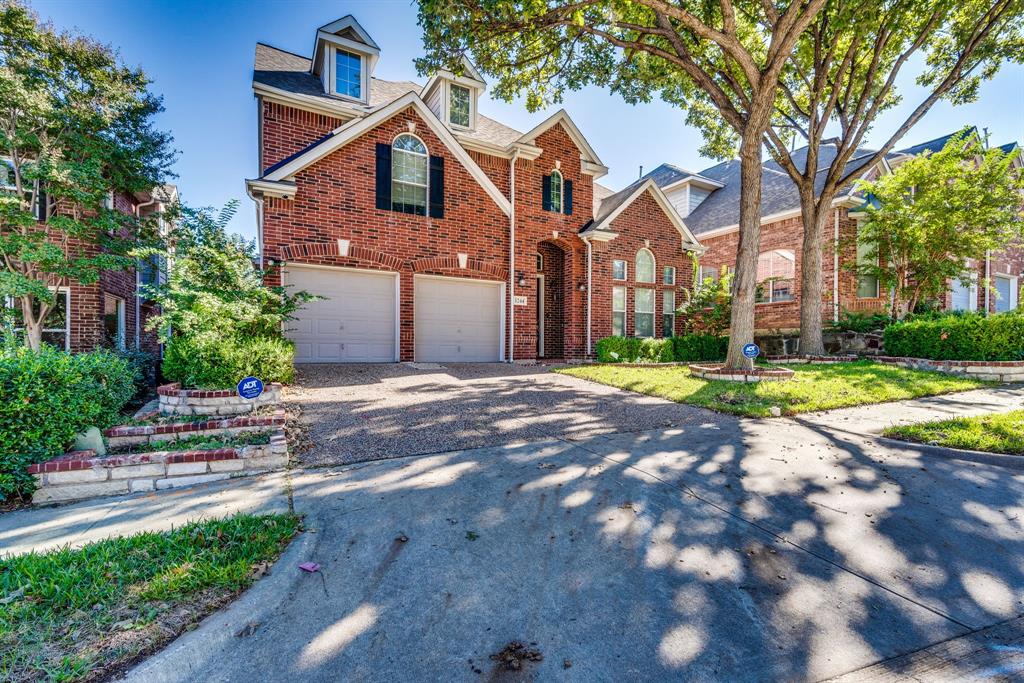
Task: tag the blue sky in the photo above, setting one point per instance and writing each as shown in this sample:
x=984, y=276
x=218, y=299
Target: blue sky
x=200, y=54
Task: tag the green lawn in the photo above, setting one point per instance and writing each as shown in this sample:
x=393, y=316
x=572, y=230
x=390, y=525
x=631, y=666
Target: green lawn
x=77, y=615
x=1003, y=433
x=814, y=387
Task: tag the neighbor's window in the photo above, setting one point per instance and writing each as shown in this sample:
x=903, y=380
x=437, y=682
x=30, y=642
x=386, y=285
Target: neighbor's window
x=348, y=75
x=644, y=310
x=409, y=175
x=7, y=174
x=619, y=311
x=867, y=285
x=644, y=266
x=55, y=327
x=113, y=320
x=668, y=313
x=458, y=111
x=556, y=191
x=618, y=270
x=668, y=275
x=775, y=272
x=707, y=273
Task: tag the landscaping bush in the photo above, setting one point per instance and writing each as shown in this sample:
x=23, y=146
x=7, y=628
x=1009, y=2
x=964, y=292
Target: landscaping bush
x=850, y=321
x=971, y=336
x=633, y=350
x=700, y=347
x=210, y=362
x=49, y=396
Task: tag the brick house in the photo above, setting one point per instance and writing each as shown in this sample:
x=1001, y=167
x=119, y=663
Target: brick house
x=435, y=233
x=110, y=312
x=709, y=204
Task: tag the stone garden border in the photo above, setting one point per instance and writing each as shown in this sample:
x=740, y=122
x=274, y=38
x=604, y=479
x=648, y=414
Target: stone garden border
x=991, y=370
x=713, y=372
x=812, y=360
x=177, y=401
x=81, y=474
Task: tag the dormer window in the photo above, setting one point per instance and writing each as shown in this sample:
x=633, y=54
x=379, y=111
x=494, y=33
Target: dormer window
x=458, y=107
x=348, y=74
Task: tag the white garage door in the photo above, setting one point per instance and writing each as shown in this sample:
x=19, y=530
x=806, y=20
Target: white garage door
x=354, y=323
x=458, y=320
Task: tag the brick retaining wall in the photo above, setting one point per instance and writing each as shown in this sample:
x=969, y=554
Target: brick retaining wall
x=177, y=401
x=993, y=370
x=131, y=435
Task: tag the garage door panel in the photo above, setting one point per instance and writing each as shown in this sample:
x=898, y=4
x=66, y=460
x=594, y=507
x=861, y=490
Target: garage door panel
x=354, y=322
x=457, y=320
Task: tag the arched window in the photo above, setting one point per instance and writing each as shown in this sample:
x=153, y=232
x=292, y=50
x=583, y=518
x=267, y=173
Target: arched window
x=644, y=266
x=776, y=271
x=409, y=175
x=556, y=191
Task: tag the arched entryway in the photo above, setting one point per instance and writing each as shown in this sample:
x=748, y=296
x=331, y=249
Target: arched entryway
x=551, y=297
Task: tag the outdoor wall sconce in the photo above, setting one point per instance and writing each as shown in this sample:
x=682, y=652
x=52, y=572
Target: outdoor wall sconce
x=583, y=286
x=521, y=281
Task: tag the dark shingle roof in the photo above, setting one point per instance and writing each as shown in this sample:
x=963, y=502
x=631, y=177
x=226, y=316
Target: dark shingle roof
x=936, y=144
x=1008, y=147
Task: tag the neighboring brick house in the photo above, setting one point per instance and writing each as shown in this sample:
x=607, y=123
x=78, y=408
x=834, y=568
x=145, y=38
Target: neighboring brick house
x=437, y=234
x=110, y=312
x=709, y=204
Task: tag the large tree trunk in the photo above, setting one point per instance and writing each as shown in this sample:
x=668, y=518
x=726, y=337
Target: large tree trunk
x=744, y=284
x=811, y=276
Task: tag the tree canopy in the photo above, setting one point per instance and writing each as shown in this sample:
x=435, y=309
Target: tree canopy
x=933, y=213
x=76, y=125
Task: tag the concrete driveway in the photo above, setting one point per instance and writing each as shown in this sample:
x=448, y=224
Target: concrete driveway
x=354, y=412
x=716, y=550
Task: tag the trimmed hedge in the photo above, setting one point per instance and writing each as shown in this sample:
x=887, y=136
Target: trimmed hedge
x=971, y=336
x=210, y=362
x=46, y=398
x=692, y=347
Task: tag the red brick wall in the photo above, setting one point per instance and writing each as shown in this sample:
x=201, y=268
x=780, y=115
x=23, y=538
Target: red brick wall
x=642, y=224
x=336, y=199
x=286, y=130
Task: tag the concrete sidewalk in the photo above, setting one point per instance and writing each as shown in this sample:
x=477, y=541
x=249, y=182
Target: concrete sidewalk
x=46, y=528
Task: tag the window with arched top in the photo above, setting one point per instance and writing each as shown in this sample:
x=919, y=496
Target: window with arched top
x=644, y=266
x=557, y=191
x=409, y=164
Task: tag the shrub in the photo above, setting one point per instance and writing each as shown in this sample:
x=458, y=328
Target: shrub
x=633, y=350
x=211, y=362
x=49, y=396
x=861, y=322
x=700, y=347
x=971, y=336
x=709, y=309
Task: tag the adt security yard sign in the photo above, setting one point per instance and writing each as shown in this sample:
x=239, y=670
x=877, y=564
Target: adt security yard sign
x=751, y=350
x=250, y=388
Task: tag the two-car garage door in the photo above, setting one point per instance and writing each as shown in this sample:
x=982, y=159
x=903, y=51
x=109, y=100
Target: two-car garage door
x=455, y=320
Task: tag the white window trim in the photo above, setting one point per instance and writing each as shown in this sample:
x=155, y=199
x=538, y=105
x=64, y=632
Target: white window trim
x=637, y=312
x=472, y=106
x=540, y=262
x=624, y=311
x=426, y=186
x=1014, y=286
x=561, y=190
x=673, y=269
x=772, y=278
x=654, y=267
x=121, y=341
x=664, y=292
x=701, y=276
x=67, y=314
x=625, y=268
x=332, y=71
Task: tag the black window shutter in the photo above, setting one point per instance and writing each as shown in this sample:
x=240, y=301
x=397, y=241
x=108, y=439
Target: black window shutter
x=383, y=176
x=567, y=200
x=546, y=194
x=41, y=201
x=436, y=187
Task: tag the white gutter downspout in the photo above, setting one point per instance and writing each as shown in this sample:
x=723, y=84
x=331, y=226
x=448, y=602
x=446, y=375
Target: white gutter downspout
x=138, y=282
x=835, y=273
x=259, y=221
x=590, y=282
x=988, y=280
x=512, y=256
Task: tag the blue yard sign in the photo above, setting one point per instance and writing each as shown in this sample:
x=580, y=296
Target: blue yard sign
x=751, y=350
x=250, y=388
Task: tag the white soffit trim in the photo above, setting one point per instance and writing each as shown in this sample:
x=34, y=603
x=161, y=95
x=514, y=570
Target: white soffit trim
x=272, y=188
x=349, y=21
x=689, y=242
x=561, y=116
x=348, y=132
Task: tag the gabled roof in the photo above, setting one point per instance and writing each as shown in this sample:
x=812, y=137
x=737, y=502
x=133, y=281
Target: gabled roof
x=587, y=152
x=936, y=144
x=613, y=205
x=348, y=27
x=347, y=132
x=668, y=175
